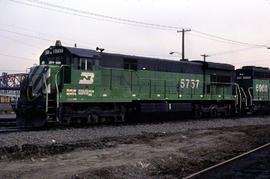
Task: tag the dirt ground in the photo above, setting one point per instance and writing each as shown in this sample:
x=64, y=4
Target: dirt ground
x=149, y=155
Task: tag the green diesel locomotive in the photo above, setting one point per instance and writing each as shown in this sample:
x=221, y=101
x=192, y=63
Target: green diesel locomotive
x=74, y=85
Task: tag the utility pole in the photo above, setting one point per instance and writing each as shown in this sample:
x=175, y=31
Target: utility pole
x=183, y=41
x=204, y=57
x=204, y=69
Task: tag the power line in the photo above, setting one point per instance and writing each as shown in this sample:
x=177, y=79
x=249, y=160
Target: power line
x=17, y=57
x=40, y=38
x=21, y=42
x=232, y=51
x=20, y=71
x=229, y=40
x=45, y=39
x=218, y=40
x=82, y=43
x=103, y=16
x=95, y=18
x=129, y=21
x=30, y=36
x=26, y=35
x=121, y=20
x=41, y=33
x=116, y=20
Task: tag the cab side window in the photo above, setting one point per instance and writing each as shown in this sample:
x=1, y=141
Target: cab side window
x=89, y=64
x=130, y=64
x=82, y=64
x=85, y=64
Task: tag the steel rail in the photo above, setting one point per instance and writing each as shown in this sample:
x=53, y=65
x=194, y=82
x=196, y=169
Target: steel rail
x=226, y=161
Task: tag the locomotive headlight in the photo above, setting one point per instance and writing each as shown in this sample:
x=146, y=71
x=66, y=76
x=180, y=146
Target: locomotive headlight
x=180, y=96
x=58, y=43
x=201, y=96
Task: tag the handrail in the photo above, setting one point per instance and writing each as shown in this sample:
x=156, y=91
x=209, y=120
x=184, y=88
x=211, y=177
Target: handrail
x=240, y=98
x=244, y=95
x=57, y=90
x=251, y=98
x=222, y=83
x=56, y=86
x=28, y=96
x=46, y=87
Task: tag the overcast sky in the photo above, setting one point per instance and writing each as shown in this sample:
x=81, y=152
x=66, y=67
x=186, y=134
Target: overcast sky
x=28, y=27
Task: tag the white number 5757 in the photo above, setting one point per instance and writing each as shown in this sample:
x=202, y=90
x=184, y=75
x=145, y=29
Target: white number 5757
x=189, y=83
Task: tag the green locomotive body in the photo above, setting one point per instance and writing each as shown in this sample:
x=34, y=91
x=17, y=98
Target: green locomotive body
x=119, y=85
x=73, y=84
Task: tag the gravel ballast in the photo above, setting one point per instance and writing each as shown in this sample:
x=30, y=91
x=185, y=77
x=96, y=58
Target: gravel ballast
x=172, y=149
x=93, y=133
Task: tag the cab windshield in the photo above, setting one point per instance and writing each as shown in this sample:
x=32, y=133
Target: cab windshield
x=57, y=60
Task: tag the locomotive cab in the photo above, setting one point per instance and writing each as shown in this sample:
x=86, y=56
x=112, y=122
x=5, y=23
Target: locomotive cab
x=61, y=71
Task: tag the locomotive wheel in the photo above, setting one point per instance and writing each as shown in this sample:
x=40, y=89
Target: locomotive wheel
x=120, y=117
x=93, y=118
x=213, y=113
x=198, y=114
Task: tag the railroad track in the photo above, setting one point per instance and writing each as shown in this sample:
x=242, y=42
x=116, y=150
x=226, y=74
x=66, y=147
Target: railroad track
x=252, y=164
x=9, y=129
x=7, y=122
